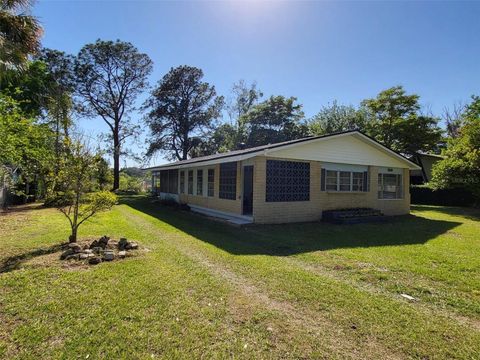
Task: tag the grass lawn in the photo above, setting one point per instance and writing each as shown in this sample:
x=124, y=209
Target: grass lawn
x=203, y=289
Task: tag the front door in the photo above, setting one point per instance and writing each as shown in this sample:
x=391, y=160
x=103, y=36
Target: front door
x=248, y=190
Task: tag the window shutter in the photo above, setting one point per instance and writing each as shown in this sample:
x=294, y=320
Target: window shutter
x=323, y=179
x=366, y=183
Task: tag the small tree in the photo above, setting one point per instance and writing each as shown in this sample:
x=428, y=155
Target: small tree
x=77, y=179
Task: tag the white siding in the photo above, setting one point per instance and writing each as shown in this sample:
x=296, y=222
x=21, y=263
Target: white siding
x=342, y=150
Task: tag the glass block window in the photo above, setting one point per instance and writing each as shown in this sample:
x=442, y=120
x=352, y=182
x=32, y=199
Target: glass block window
x=182, y=182
x=190, y=182
x=228, y=181
x=390, y=186
x=211, y=182
x=287, y=181
x=200, y=182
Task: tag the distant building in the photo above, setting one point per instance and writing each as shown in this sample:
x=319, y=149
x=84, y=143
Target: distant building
x=426, y=162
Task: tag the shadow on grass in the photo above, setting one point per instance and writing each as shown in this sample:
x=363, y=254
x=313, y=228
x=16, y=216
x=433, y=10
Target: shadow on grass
x=14, y=262
x=17, y=209
x=289, y=239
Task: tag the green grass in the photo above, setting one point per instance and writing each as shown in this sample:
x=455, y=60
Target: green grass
x=204, y=289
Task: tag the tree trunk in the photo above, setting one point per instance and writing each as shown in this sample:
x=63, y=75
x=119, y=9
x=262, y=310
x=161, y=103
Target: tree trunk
x=73, y=237
x=116, y=160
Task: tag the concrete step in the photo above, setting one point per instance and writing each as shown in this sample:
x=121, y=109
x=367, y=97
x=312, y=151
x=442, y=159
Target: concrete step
x=228, y=217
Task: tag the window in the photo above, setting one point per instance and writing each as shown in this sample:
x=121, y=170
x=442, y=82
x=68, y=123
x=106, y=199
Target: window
x=182, y=182
x=200, y=182
x=228, y=181
x=332, y=180
x=169, y=181
x=345, y=181
x=190, y=182
x=287, y=181
x=390, y=186
x=211, y=182
x=357, y=181
x=338, y=180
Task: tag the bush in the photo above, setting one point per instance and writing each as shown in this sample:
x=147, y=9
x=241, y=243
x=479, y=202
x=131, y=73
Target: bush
x=422, y=194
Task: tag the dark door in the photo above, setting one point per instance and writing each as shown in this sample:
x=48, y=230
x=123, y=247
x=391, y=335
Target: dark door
x=248, y=190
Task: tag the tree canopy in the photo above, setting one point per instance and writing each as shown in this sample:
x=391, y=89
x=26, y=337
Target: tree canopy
x=395, y=121
x=19, y=34
x=336, y=117
x=274, y=120
x=181, y=109
x=109, y=77
x=461, y=166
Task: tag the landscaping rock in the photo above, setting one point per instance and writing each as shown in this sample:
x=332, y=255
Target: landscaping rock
x=88, y=251
x=122, y=254
x=112, y=244
x=94, y=260
x=97, y=250
x=94, y=244
x=73, y=257
x=122, y=244
x=108, y=255
x=131, y=246
x=103, y=241
x=84, y=256
x=75, y=247
x=66, y=253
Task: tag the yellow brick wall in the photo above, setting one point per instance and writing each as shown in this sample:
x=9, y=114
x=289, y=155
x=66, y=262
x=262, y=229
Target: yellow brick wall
x=298, y=211
x=231, y=206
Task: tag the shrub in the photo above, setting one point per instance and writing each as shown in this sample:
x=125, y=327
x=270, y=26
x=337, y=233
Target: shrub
x=423, y=194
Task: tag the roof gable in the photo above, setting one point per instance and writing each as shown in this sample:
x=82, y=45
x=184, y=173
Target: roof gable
x=350, y=147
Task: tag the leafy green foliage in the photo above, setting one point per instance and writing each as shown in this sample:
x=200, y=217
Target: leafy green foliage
x=396, y=123
x=461, y=167
x=76, y=181
x=274, y=120
x=19, y=34
x=24, y=143
x=181, y=109
x=336, y=118
x=130, y=184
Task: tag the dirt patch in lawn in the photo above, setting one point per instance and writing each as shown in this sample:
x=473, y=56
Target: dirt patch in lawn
x=51, y=257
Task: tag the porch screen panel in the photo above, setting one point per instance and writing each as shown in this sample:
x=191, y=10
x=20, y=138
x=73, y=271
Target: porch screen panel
x=228, y=181
x=169, y=181
x=287, y=181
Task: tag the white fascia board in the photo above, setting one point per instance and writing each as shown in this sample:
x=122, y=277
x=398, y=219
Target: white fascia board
x=411, y=165
x=209, y=162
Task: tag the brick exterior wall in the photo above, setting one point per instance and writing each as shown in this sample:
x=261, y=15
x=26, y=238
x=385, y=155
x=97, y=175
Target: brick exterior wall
x=214, y=202
x=298, y=211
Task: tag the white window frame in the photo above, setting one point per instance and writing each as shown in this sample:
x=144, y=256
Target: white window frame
x=339, y=168
x=400, y=193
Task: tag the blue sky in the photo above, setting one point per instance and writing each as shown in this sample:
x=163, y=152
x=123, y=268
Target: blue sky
x=316, y=51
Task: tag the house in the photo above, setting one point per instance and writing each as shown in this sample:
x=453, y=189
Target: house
x=293, y=181
x=426, y=162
